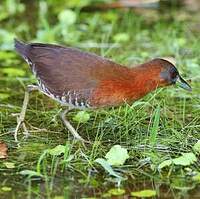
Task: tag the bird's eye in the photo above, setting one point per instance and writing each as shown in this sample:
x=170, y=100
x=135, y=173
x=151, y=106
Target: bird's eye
x=173, y=74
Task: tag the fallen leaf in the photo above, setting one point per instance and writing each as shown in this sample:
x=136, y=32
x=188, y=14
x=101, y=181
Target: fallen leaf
x=3, y=150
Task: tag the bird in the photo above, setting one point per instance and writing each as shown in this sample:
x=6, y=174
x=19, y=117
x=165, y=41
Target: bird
x=83, y=80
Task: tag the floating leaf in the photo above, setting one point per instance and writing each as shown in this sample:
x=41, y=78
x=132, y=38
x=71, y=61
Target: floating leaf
x=144, y=193
x=9, y=165
x=116, y=192
x=185, y=160
x=82, y=117
x=117, y=155
x=107, y=167
x=6, y=189
x=58, y=150
x=3, y=150
x=196, y=147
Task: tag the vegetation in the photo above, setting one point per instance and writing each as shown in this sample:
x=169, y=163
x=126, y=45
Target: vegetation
x=158, y=135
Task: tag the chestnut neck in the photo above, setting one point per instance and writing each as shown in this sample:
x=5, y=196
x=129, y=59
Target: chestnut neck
x=144, y=80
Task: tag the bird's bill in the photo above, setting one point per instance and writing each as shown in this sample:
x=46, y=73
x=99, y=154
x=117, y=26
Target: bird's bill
x=183, y=84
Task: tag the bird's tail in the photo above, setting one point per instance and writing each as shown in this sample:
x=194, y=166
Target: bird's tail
x=20, y=47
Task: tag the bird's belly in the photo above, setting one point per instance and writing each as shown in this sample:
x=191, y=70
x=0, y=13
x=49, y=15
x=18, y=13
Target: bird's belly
x=106, y=97
x=99, y=100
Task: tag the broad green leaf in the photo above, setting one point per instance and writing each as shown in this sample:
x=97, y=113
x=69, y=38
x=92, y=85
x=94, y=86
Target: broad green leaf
x=116, y=192
x=107, y=167
x=67, y=17
x=117, y=155
x=30, y=173
x=144, y=193
x=196, y=147
x=82, y=117
x=185, y=160
x=164, y=164
x=9, y=165
x=58, y=150
x=6, y=189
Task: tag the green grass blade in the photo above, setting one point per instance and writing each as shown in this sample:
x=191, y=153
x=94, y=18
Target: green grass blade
x=155, y=127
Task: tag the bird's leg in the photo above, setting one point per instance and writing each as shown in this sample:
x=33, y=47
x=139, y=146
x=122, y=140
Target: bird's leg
x=69, y=126
x=21, y=116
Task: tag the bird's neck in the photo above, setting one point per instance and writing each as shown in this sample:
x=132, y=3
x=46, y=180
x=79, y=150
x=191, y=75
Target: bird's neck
x=143, y=82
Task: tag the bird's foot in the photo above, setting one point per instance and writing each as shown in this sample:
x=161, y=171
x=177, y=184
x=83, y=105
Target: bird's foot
x=20, y=125
x=21, y=116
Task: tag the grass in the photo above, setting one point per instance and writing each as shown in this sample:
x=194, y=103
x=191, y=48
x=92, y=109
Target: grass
x=161, y=126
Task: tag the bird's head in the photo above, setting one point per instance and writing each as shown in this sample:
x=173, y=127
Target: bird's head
x=168, y=74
